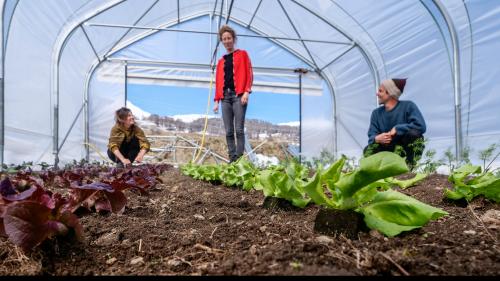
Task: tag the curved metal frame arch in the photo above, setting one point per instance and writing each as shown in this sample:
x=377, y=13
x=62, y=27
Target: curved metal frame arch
x=367, y=57
x=456, y=78
x=173, y=23
x=2, y=79
x=471, y=66
x=59, y=45
x=367, y=33
x=65, y=34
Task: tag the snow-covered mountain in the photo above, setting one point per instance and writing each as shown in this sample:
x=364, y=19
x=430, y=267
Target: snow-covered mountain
x=188, y=118
x=292, y=124
x=138, y=113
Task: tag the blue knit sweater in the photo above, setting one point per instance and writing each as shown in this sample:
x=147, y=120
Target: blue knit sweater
x=404, y=116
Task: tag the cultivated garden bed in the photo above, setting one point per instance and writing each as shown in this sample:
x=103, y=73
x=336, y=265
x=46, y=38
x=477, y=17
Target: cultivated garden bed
x=190, y=227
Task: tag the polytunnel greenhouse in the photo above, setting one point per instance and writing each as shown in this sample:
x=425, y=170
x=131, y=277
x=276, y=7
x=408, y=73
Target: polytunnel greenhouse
x=306, y=193
x=66, y=64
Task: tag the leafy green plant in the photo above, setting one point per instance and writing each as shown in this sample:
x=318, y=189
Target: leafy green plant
x=392, y=212
x=403, y=184
x=29, y=217
x=350, y=164
x=466, y=186
x=75, y=164
x=428, y=165
x=210, y=173
x=239, y=173
x=13, y=168
x=415, y=148
x=359, y=191
x=325, y=157
x=284, y=182
x=487, y=155
x=44, y=166
x=30, y=214
x=453, y=161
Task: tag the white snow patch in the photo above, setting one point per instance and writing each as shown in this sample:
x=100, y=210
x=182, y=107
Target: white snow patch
x=138, y=113
x=264, y=161
x=292, y=124
x=188, y=118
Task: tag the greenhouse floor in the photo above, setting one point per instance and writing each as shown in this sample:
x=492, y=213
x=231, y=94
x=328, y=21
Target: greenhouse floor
x=190, y=227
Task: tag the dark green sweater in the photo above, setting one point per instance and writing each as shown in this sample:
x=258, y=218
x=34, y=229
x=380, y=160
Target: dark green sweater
x=404, y=116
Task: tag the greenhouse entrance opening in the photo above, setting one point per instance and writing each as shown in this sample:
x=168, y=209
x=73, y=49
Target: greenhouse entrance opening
x=172, y=100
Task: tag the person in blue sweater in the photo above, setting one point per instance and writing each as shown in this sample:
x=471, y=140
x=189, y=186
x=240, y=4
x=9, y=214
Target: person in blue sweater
x=397, y=126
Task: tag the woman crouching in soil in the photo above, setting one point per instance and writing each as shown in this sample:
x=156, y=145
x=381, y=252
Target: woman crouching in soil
x=127, y=142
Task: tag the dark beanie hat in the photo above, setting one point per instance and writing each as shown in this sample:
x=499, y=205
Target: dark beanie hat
x=400, y=83
x=394, y=86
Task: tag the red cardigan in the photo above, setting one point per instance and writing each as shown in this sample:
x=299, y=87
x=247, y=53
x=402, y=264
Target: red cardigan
x=243, y=74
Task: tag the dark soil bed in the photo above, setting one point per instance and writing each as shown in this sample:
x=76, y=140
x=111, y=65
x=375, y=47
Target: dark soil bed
x=189, y=227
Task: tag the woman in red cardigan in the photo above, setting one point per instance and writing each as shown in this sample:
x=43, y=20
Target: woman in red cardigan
x=233, y=85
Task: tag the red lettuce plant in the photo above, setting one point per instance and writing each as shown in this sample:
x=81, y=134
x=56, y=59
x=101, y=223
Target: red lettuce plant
x=29, y=213
x=29, y=217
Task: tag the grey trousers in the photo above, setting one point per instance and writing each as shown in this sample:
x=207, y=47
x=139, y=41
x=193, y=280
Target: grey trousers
x=233, y=115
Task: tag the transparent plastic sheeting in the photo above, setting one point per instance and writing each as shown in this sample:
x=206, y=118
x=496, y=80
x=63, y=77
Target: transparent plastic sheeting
x=388, y=38
x=106, y=95
x=270, y=81
x=28, y=105
x=317, y=132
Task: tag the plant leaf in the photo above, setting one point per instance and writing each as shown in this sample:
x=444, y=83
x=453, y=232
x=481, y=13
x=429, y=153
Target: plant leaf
x=117, y=200
x=492, y=190
x=458, y=176
x=71, y=220
x=26, y=224
x=454, y=195
x=375, y=167
x=2, y=228
x=409, y=182
x=267, y=182
x=332, y=174
x=300, y=202
x=314, y=189
x=392, y=212
x=6, y=188
x=20, y=196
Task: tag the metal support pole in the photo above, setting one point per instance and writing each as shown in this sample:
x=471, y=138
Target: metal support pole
x=456, y=79
x=300, y=71
x=55, y=134
x=175, y=150
x=71, y=127
x=215, y=33
x=133, y=62
x=2, y=96
x=126, y=83
x=2, y=117
x=300, y=117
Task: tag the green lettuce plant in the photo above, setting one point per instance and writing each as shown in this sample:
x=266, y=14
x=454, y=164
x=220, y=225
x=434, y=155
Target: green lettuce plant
x=202, y=172
x=284, y=182
x=239, y=173
x=466, y=186
x=388, y=211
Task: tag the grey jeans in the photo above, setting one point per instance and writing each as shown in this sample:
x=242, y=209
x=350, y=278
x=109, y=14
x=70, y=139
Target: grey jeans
x=233, y=115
